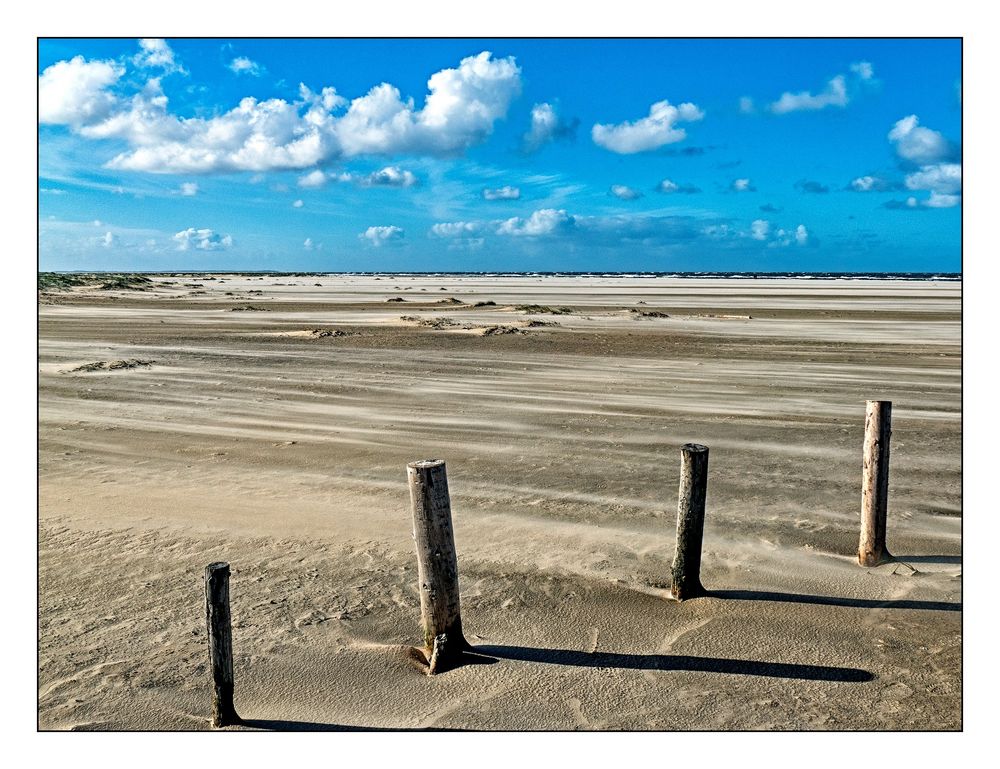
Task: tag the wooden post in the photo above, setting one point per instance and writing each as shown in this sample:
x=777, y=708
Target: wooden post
x=875, y=483
x=220, y=643
x=686, y=571
x=437, y=564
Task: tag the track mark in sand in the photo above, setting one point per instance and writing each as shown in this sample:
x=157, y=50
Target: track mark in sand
x=594, y=635
x=669, y=642
x=576, y=708
x=433, y=718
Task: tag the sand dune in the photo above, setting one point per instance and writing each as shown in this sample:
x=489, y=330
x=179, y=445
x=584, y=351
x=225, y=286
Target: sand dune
x=250, y=439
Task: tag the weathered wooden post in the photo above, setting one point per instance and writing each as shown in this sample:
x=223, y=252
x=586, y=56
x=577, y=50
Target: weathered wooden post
x=437, y=564
x=686, y=571
x=220, y=643
x=875, y=483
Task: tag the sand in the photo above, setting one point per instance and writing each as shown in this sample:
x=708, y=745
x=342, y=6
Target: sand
x=205, y=434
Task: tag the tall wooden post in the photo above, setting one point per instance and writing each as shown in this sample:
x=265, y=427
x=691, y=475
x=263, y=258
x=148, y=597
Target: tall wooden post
x=220, y=643
x=686, y=571
x=437, y=564
x=875, y=483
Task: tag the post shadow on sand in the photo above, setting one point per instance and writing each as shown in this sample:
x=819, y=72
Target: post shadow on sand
x=679, y=662
x=951, y=559
x=279, y=725
x=826, y=600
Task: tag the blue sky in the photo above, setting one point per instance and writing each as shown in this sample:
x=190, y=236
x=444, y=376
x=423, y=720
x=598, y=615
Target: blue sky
x=477, y=154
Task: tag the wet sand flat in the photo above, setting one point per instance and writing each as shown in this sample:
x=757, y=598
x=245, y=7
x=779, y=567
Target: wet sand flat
x=267, y=421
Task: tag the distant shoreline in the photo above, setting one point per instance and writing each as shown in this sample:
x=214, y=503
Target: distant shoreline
x=744, y=275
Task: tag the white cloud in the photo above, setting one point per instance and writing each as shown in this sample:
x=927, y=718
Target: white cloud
x=647, y=133
x=189, y=189
x=110, y=240
x=943, y=178
x=546, y=221
x=313, y=179
x=622, y=192
x=390, y=176
x=546, y=126
x=747, y=105
x=870, y=184
x=459, y=111
x=835, y=95
x=73, y=92
x=297, y=204
x=155, y=53
x=759, y=229
x=940, y=200
x=502, y=193
x=455, y=229
x=918, y=144
x=327, y=98
x=801, y=235
x=742, y=185
x=863, y=69
x=241, y=65
x=309, y=245
x=378, y=236
x=668, y=186
x=203, y=240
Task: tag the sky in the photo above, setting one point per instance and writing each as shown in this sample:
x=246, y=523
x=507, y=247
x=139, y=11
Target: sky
x=500, y=155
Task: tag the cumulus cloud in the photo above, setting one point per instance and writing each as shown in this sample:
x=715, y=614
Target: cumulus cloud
x=154, y=53
x=943, y=178
x=742, y=185
x=74, y=92
x=380, y=236
x=870, y=184
x=801, y=235
x=502, y=193
x=241, y=65
x=668, y=187
x=189, y=189
x=390, y=176
x=202, y=239
x=312, y=180
x=309, y=245
x=455, y=229
x=647, y=133
x=297, y=203
x=834, y=95
x=459, y=111
x=747, y=105
x=547, y=126
x=110, y=240
x=808, y=185
x=918, y=144
x=622, y=192
x=863, y=69
x=546, y=221
x=760, y=229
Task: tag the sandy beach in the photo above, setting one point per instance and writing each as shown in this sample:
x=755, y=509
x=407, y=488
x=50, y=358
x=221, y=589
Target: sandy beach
x=267, y=421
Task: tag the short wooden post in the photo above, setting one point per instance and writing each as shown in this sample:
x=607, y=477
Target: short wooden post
x=220, y=643
x=437, y=564
x=686, y=571
x=875, y=483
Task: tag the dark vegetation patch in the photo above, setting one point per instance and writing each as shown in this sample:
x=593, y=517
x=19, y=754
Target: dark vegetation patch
x=114, y=365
